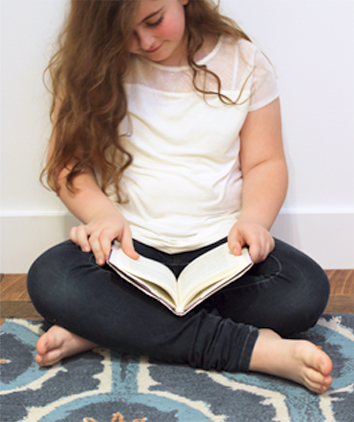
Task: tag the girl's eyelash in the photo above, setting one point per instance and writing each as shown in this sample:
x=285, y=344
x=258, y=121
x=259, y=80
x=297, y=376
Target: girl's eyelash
x=153, y=24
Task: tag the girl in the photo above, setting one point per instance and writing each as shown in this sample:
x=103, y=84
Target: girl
x=167, y=137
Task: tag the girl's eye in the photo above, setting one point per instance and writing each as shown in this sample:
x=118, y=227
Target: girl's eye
x=156, y=23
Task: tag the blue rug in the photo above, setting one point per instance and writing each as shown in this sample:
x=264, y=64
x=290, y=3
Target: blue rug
x=103, y=386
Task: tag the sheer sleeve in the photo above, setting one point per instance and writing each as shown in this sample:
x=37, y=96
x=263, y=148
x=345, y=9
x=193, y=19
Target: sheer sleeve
x=264, y=88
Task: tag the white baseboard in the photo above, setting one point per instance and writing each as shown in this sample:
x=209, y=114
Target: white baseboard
x=326, y=237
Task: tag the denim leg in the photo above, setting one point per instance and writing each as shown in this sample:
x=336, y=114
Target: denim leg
x=69, y=289
x=287, y=293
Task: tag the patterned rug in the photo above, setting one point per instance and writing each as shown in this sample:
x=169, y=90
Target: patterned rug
x=102, y=386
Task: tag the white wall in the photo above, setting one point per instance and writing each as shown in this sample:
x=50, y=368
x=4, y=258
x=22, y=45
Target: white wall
x=311, y=44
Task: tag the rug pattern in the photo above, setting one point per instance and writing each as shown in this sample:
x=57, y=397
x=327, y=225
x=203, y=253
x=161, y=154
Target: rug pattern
x=105, y=386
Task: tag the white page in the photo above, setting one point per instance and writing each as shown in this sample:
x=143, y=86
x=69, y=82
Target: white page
x=144, y=269
x=151, y=289
x=212, y=265
x=194, y=298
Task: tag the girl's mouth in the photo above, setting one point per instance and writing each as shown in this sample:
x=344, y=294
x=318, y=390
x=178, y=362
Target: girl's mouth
x=153, y=50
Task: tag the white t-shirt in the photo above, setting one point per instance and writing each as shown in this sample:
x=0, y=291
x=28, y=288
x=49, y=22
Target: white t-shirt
x=184, y=185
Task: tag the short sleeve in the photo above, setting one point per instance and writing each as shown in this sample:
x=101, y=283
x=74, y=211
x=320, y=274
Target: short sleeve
x=264, y=87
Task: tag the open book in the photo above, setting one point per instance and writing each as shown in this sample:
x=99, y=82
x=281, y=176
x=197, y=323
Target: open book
x=199, y=279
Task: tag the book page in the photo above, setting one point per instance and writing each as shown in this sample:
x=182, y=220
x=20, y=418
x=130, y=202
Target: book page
x=194, y=299
x=151, y=289
x=144, y=269
x=215, y=265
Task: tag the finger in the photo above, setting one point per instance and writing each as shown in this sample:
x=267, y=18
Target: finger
x=251, y=238
x=73, y=234
x=235, y=242
x=236, y=248
x=261, y=246
x=106, y=244
x=82, y=234
x=255, y=249
x=272, y=245
x=79, y=237
x=268, y=248
x=126, y=242
x=255, y=254
x=96, y=247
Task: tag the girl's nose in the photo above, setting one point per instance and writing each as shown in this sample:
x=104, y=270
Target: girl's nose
x=146, y=40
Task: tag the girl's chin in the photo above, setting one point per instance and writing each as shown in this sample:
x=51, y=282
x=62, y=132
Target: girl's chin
x=167, y=60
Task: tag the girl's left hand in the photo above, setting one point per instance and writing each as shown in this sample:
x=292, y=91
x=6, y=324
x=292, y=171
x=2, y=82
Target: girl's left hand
x=253, y=235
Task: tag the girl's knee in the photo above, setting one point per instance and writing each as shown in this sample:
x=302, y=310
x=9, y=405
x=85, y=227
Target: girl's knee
x=303, y=290
x=41, y=271
x=316, y=285
x=312, y=300
x=303, y=271
x=45, y=276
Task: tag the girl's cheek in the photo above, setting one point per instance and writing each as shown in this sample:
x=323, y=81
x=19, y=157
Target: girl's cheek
x=168, y=29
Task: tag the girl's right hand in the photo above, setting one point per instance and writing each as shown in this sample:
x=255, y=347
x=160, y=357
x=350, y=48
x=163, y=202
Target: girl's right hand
x=98, y=234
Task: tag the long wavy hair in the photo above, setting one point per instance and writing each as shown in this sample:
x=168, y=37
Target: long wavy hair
x=87, y=85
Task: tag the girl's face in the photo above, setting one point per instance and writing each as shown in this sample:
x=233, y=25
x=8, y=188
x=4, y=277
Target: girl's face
x=159, y=32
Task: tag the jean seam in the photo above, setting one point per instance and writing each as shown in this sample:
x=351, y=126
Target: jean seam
x=92, y=259
x=280, y=268
x=241, y=366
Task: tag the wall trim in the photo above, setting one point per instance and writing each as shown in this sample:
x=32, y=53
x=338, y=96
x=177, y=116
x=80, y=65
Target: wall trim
x=328, y=237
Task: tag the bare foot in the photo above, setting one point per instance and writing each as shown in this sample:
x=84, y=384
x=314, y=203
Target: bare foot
x=297, y=360
x=58, y=343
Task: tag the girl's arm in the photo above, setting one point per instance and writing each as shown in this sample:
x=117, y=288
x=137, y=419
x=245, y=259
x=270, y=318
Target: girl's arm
x=102, y=222
x=265, y=181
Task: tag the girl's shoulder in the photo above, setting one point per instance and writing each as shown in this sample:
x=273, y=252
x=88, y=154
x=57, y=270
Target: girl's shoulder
x=235, y=56
x=246, y=62
x=241, y=50
x=233, y=62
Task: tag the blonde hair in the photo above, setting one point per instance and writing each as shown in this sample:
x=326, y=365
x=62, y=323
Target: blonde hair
x=87, y=84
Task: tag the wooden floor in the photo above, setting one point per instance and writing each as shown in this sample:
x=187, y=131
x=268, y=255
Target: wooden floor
x=15, y=302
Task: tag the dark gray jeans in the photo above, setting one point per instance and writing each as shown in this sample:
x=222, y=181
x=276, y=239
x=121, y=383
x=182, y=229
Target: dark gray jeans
x=287, y=293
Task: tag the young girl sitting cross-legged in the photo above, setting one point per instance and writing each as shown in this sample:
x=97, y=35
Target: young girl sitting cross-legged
x=167, y=138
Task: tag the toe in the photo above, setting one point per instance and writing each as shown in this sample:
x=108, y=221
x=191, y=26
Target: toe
x=39, y=360
x=318, y=360
x=42, y=344
x=325, y=364
x=49, y=341
x=50, y=358
x=316, y=382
